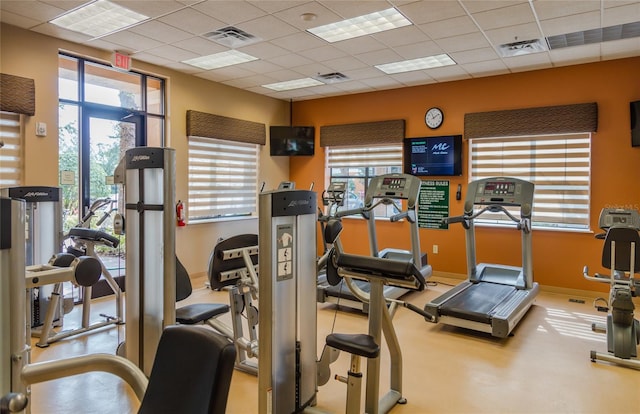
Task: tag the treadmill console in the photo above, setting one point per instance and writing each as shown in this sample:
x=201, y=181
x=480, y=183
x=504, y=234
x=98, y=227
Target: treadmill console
x=502, y=191
x=395, y=186
x=618, y=217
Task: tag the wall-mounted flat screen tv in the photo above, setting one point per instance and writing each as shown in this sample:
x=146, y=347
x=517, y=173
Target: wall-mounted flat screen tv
x=427, y=156
x=291, y=140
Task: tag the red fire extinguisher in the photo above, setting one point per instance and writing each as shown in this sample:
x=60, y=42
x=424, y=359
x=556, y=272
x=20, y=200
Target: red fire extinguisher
x=180, y=213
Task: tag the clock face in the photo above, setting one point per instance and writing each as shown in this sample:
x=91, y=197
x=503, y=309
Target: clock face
x=433, y=118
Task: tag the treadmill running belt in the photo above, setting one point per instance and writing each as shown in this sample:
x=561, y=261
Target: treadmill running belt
x=477, y=302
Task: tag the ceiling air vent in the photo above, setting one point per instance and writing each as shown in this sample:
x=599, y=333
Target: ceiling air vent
x=523, y=47
x=605, y=34
x=334, y=77
x=231, y=37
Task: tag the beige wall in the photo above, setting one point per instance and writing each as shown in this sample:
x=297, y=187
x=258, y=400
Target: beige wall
x=31, y=55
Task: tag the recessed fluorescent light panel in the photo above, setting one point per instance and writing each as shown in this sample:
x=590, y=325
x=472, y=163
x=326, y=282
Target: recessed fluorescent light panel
x=362, y=25
x=416, y=64
x=293, y=84
x=220, y=60
x=98, y=18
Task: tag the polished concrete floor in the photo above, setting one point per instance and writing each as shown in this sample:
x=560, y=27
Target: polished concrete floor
x=543, y=368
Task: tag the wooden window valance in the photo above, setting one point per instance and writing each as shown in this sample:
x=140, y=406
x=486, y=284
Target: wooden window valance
x=17, y=94
x=561, y=119
x=201, y=124
x=367, y=133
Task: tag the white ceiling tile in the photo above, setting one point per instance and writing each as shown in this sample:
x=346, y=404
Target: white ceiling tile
x=160, y=31
x=293, y=15
x=264, y=50
x=529, y=62
x=344, y=63
x=379, y=57
x=274, y=6
x=416, y=77
x=486, y=68
x=576, y=54
x=172, y=52
x=300, y=41
x=513, y=34
x=359, y=45
x=133, y=41
x=618, y=49
x=363, y=73
x=150, y=8
x=401, y=36
x=323, y=53
x=475, y=55
x=311, y=70
x=451, y=27
x=232, y=72
x=505, y=16
x=192, y=21
x=201, y=46
x=251, y=81
x=351, y=86
x=465, y=42
x=56, y=31
x=431, y=11
x=184, y=68
x=267, y=28
x=560, y=8
x=260, y=66
x=284, y=75
x=30, y=9
x=290, y=60
x=149, y=58
x=347, y=9
x=475, y=6
x=570, y=24
x=18, y=20
x=619, y=15
x=448, y=73
x=62, y=4
x=419, y=50
x=382, y=82
x=230, y=12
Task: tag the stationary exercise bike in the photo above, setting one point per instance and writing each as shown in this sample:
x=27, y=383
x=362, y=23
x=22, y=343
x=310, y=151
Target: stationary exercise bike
x=621, y=255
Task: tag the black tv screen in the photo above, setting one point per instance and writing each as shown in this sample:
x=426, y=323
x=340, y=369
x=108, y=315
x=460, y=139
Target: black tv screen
x=291, y=140
x=426, y=156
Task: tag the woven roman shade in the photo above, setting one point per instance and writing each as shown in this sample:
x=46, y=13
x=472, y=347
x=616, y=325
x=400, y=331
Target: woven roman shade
x=561, y=119
x=201, y=124
x=17, y=94
x=367, y=133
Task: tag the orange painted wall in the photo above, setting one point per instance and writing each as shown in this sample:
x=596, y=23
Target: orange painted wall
x=558, y=256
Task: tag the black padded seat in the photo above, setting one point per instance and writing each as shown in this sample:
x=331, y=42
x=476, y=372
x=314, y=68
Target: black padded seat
x=199, y=312
x=357, y=344
x=390, y=268
x=191, y=372
x=94, y=235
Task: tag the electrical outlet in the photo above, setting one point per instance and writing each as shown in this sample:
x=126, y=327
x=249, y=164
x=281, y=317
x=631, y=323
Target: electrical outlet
x=41, y=129
x=435, y=249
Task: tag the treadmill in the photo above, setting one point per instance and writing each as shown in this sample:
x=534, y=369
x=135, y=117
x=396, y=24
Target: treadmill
x=390, y=188
x=495, y=297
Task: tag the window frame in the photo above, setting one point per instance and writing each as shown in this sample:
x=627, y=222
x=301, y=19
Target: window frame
x=573, y=166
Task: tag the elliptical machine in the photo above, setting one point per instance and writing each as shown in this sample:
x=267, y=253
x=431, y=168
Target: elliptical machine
x=621, y=255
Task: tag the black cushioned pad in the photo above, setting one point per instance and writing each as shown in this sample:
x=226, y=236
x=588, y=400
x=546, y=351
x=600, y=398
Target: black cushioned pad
x=357, y=344
x=93, y=235
x=199, y=312
x=477, y=302
x=388, y=268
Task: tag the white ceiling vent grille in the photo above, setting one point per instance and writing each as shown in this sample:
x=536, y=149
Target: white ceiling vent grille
x=334, y=77
x=605, y=34
x=231, y=37
x=523, y=47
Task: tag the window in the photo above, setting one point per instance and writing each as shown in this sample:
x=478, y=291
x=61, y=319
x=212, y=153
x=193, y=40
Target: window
x=10, y=150
x=223, y=179
x=558, y=165
x=356, y=165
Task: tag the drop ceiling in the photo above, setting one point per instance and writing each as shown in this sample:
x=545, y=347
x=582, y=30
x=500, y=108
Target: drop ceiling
x=469, y=31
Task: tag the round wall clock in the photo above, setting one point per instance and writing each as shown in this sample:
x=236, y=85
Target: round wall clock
x=434, y=117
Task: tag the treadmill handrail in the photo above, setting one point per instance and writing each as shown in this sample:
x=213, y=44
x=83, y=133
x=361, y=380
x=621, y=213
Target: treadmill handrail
x=493, y=208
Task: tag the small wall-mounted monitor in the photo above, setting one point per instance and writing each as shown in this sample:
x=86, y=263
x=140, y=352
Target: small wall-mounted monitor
x=427, y=156
x=291, y=140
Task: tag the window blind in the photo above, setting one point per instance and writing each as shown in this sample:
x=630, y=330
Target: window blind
x=389, y=155
x=222, y=178
x=558, y=165
x=11, y=151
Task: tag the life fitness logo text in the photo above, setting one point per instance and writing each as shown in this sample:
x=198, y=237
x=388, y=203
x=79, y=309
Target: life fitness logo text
x=440, y=149
x=137, y=158
x=36, y=194
x=295, y=203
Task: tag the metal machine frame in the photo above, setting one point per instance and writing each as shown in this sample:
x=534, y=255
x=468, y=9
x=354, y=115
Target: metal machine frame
x=495, y=297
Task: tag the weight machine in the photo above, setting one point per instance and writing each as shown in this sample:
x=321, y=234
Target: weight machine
x=621, y=255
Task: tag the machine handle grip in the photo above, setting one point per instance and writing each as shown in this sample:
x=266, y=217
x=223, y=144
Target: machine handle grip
x=350, y=212
x=418, y=311
x=399, y=216
x=453, y=220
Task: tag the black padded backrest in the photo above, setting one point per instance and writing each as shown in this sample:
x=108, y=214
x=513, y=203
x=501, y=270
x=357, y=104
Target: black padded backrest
x=191, y=372
x=623, y=236
x=332, y=230
x=183, y=283
x=218, y=265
